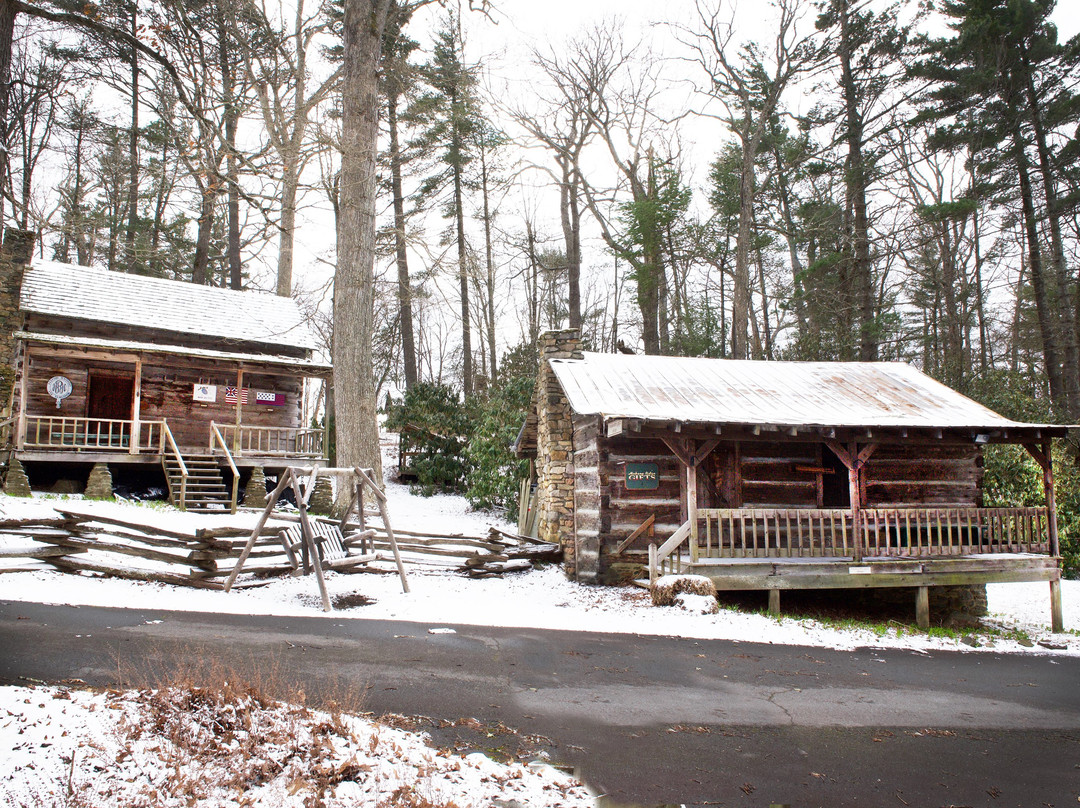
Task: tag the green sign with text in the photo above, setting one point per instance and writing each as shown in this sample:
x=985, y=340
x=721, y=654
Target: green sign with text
x=642, y=476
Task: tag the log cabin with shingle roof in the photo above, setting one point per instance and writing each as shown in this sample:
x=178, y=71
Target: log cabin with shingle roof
x=777, y=475
x=197, y=383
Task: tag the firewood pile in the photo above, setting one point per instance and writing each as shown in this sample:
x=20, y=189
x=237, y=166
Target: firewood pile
x=514, y=554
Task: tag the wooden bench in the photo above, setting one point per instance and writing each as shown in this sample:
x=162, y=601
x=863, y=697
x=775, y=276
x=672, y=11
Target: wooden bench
x=332, y=546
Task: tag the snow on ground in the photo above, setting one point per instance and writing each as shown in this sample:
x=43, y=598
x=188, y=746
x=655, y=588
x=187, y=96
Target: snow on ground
x=232, y=747
x=539, y=599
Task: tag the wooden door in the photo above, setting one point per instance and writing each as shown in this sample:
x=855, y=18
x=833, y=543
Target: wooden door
x=109, y=396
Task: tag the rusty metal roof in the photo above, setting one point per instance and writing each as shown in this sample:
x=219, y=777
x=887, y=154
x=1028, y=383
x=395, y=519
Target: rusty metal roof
x=98, y=295
x=787, y=394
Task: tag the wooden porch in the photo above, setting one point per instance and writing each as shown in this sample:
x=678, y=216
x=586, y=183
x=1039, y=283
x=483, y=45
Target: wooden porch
x=194, y=474
x=51, y=436
x=778, y=549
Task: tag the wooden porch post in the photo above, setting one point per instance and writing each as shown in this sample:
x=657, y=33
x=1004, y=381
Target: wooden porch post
x=20, y=438
x=854, y=459
x=239, y=408
x=1045, y=460
x=691, y=507
x=136, y=407
x=922, y=607
x=326, y=420
x=855, y=496
x=691, y=455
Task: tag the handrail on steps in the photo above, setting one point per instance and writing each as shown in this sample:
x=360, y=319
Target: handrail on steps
x=657, y=555
x=167, y=438
x=215, y=435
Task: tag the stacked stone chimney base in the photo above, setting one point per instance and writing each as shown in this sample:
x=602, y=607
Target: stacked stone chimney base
x=555, y=446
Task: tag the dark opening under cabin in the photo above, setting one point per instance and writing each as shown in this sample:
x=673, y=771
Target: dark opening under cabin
x=778, y=475
x=193, y=383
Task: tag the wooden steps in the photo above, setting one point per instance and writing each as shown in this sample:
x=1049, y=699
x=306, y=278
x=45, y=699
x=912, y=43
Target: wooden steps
x=206, y=490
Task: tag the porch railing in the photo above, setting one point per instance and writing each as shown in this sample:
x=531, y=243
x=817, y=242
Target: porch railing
x=98, y=434
x=760, y=533
x=271, y=440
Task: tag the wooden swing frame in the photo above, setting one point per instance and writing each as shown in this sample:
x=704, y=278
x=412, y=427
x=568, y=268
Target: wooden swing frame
x=290, y=477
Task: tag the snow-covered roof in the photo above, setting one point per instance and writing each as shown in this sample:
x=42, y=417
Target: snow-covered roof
x=97, y=295
x=786, y=394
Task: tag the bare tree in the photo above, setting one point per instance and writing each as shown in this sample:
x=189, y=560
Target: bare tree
x=564, y=128
x=281, y=72
x=619, y=92
x=748, y=81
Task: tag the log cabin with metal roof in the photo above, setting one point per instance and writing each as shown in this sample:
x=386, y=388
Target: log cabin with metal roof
x=195, y=383
x=778, y=475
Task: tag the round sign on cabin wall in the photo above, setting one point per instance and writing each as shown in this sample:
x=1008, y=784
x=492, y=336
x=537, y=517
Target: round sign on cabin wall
x=59, y=387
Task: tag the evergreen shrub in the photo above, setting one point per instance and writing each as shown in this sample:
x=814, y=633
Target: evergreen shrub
x=438, y=428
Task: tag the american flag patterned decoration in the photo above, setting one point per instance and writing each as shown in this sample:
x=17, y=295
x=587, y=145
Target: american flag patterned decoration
x=230, y=395
x=270, y=399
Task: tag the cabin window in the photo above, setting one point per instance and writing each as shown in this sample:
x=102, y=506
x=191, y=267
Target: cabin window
x=110, y=396
x=835, y=488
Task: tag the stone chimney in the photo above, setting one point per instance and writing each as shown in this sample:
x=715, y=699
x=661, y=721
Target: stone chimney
x=15, y=254
x=555, y=445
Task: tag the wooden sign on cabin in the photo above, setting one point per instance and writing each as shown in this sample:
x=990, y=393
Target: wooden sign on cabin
x=642, y=476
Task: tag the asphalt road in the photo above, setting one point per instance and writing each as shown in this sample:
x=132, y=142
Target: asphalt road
x=645, y=720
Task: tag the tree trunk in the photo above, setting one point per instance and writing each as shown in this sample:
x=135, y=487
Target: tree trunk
x=232, y=114
x=356, y=430
x=855, y=178
x=1043, y=296
x=489, y=261
x=133, y=150
x=200, y=270
x=1065, y=301
x=408, y=340
x=290, y=184
x=463, y=283
x=570, y=216
x=8, y=9
x=740, y=298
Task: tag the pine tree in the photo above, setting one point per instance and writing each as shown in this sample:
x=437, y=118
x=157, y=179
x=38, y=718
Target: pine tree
x=448, y=116
x=996, y=87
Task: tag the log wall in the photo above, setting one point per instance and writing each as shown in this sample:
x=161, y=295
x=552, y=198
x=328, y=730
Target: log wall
x=622, y=510
x=587, y=493
x=773, y=474
x=899, y=476
x=167, y=394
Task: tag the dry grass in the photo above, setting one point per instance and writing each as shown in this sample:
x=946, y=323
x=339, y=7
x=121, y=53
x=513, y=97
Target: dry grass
x=202, y=728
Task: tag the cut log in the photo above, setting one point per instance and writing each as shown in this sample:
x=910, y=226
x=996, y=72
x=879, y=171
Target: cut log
x=69, y=565
x=106, y=520
x=36, y=552
x=38, y=522
x=123, y=549
x=501, y=535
